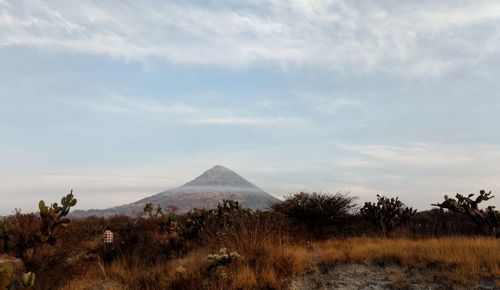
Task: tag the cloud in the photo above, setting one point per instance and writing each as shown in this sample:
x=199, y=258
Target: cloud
x=94, y=188
x=427, y=155
x=119, y=104
x=418, y=38
x=330, y=104
x=420, y=172
x=473, y=160
x=256, y=120
x=185, y=113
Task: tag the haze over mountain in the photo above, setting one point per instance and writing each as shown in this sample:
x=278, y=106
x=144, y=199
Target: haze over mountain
x=205, y=191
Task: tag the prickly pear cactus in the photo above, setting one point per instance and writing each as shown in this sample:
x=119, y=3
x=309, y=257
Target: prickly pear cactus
x=54, y=216
x=28, y=279
x=6, y=276
x=487, y=221
x=387, y=214
x=194, y=223
x=227, y=209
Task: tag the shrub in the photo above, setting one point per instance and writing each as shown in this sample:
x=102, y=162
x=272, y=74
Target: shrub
x=32, y=238
x=437, y=222
x=320, y=214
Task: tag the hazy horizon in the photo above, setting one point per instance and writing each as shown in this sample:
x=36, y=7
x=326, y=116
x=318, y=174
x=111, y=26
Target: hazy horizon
x=124, y=99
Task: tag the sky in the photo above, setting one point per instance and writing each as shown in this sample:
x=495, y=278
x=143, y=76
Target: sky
x=119, y=100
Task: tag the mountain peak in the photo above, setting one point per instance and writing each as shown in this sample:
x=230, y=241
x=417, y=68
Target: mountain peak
x=220, y=176
x=205, y=191
x=219, y=168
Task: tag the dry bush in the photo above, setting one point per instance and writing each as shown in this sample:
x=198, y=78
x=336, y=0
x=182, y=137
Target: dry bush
x=150, y=256
x=270, y=258
x=269, y=254
x=438, y=223
x=319, y=214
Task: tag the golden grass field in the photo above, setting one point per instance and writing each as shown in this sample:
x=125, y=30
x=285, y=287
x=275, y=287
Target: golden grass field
x=271, y=262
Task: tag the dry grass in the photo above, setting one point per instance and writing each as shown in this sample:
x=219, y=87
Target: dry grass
x=459, y=259
x=270, y=260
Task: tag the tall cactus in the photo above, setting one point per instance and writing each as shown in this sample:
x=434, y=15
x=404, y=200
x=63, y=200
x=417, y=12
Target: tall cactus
x=387, y=214
x=487, y=221
x=54, y=216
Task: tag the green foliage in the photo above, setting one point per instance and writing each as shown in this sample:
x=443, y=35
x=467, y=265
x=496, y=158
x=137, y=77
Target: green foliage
x=387, y=214
x=6, y=276
x=28, y=279
x=487, y=221
x=54, y=216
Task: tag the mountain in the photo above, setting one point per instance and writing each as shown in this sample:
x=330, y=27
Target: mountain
x=205, y=191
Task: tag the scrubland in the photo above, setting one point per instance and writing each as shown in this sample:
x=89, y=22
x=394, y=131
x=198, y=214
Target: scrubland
x=267, y=265
x=230, y=247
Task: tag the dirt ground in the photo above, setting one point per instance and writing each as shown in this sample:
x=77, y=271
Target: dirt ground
x=365, y=277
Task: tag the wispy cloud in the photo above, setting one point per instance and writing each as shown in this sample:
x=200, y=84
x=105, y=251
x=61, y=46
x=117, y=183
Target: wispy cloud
x=185, y=113
x=419, y=38
x=423, y=154
x=474, y=158
x=330, y=104
x=423, y=170
x=94, y=187
x=119, y=104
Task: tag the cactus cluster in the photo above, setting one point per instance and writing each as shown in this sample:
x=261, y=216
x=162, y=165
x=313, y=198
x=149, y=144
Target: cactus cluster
x=54, y=216
x=220, y=217
x=168, y=223
x=226, y=210
x=487, y=221
x=165, y=218
x=222, y=258
x=387, y=214
x=217, y=263
x=194, y=223
x=8, y=279
x=148, y=209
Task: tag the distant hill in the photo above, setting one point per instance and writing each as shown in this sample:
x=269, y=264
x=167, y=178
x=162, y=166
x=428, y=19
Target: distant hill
x=205, y=191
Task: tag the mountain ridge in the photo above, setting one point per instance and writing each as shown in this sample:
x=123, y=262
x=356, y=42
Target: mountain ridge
x=204, y=191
